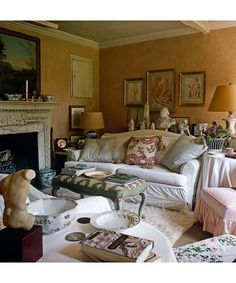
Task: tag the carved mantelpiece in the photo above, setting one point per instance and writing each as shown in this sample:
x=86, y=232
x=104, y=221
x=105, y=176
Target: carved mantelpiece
x=23, y=117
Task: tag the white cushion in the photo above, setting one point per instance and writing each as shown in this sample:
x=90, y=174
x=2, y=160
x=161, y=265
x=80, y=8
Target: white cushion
x=156, y=174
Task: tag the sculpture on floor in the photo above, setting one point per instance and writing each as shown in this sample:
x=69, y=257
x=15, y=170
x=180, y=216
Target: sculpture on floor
x=164, y=122
x=14, y=188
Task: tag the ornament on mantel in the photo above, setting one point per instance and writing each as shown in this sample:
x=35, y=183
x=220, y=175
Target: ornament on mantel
x=146, y=113
x=131, y=124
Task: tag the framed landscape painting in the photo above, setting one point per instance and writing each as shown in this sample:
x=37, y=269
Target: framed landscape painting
x=192, y=88
x=19, y=62
x=161, y=89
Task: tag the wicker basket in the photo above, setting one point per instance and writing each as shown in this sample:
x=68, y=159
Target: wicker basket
x=216, y=145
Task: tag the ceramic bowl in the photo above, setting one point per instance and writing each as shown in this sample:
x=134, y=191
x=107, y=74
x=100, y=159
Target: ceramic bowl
x=45, y=177
x=48, y=98
x=9, y=96
x=53, y=214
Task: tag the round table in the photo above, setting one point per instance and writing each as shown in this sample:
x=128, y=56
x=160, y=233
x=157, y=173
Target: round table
x=57, y=249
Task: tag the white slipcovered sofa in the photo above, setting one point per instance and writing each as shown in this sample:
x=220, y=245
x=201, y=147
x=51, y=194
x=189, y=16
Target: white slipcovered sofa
x=171, y=183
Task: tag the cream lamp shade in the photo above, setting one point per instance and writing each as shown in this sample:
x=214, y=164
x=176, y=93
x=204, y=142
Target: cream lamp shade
x=91, y=121
x=224, y=100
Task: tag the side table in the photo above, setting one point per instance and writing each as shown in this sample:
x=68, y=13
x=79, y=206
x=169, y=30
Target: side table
x=217, y=171
x=94, y=187
x=60, y=159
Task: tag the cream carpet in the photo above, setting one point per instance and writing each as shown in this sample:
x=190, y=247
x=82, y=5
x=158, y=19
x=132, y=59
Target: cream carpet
x=171, y=223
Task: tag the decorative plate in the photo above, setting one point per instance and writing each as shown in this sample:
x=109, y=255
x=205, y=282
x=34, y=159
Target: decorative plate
x=115, y=220
x=97, y=174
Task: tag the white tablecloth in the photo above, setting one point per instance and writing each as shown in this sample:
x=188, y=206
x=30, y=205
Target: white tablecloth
x=217, y=171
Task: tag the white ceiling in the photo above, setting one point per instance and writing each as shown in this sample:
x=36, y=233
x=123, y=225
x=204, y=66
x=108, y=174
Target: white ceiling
x=112, y=33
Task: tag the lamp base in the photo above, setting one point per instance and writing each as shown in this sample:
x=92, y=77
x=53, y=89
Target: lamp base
x=230, y=124
x=91, y=135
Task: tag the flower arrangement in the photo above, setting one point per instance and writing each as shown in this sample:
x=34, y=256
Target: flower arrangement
x=215, y=137
x=216, y=132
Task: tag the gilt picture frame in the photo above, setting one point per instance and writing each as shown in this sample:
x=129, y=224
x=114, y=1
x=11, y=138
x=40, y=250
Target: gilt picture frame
x=192, y=88
x=20, y=62
x=161, y=89
x=134, y=92
x=74, y=116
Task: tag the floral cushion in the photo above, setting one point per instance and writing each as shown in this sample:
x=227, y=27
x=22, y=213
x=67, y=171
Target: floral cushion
x=142, y=150
x=217, y=249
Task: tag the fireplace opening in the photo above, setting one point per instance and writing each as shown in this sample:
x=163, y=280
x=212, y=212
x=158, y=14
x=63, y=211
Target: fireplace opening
x=23, y=148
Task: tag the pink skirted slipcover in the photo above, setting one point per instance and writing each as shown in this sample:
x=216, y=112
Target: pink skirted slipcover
x=216, y=209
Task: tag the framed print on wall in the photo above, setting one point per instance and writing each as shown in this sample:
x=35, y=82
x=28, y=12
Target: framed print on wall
x=19, y=62
x=192, y=88
x=161, y=89
x=133, y=92
x=74, y=116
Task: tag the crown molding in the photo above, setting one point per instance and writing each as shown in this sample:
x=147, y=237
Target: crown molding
x=148, y=37
x=198, y=27
x=202, y=26
x=54, y=33
x=222, y=24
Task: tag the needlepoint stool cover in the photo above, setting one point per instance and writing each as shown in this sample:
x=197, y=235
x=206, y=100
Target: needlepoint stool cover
x=92, y=186
x=216, y=209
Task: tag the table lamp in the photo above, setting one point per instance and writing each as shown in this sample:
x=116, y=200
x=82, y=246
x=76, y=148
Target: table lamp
x=224, y=100
x=91, y=121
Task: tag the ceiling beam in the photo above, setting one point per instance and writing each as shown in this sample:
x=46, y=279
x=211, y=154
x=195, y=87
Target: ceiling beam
x=201, y=26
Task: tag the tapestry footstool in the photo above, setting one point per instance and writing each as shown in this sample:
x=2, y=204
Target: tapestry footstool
x=217, y=249
x=95, y=187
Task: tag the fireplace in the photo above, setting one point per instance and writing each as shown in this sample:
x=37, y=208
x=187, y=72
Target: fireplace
x=23, y=150
x=25, y=130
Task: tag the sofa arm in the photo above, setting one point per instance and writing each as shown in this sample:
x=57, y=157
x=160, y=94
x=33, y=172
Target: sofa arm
x=72, y=154
x=191, y=169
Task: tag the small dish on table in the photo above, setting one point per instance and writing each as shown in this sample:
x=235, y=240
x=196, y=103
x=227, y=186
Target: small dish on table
x=98, y=174
x=115, y=220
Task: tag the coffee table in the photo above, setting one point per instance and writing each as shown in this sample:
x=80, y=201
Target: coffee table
x=96, y=187
x=57, y=249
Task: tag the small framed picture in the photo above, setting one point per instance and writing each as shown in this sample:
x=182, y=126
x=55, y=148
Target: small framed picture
x=74, y=116
x=161, y=89
x=133, y=92
x=80, y=143
x=192, y=88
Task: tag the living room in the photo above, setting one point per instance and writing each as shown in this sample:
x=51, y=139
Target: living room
x=210, y=52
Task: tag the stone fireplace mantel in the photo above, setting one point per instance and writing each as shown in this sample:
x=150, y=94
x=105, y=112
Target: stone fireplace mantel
x=26, y=116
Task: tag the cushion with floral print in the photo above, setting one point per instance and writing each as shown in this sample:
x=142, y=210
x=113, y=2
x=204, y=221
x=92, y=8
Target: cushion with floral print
x=142, y=150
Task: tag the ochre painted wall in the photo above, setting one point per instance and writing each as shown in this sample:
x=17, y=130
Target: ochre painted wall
x=56, y=76
x=214, y=53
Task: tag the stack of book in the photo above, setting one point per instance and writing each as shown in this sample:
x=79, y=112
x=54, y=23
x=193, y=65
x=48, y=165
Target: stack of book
x=111, y=246
x=77, y=170
x=123, y=179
